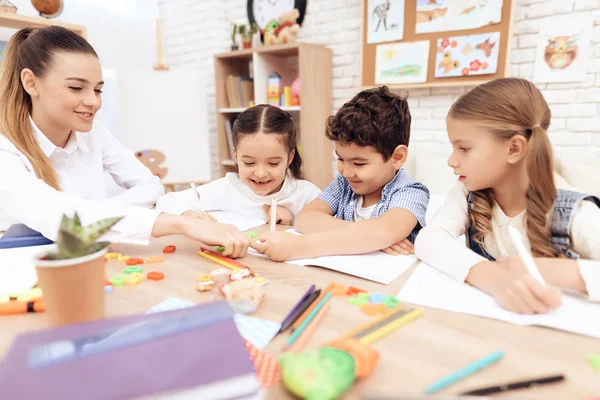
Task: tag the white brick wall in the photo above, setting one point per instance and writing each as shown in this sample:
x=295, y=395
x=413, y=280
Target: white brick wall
x=195, y=30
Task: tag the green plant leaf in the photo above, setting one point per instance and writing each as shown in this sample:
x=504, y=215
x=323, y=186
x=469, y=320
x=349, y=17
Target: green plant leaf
x=91, y=232
x=67, y=241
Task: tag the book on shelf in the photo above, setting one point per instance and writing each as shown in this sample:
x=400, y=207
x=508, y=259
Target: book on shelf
x=229, y=135
x=240, y=90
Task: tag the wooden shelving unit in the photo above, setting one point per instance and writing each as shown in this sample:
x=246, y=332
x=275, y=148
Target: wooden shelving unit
x=313, y=63
x=16, y=21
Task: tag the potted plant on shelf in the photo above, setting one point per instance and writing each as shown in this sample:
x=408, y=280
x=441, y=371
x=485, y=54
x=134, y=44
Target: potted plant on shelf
x=71, y=273
x=234, y=45
x=246, y=36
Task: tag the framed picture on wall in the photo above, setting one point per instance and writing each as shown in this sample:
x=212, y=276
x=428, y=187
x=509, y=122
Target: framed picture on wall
x=563, y=49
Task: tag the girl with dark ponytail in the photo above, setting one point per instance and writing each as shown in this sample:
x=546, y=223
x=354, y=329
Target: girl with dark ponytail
x=269, y=167
x=503, y=157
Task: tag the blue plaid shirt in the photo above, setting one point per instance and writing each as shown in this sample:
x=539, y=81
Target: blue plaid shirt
x=401, y=192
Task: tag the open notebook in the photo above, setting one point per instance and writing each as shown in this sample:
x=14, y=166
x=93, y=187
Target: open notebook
x=431, y=288
x=193, y=353
x=376, y=266
x=241, y=222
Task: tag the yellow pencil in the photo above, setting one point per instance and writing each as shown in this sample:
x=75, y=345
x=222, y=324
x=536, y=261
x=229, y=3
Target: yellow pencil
x=218, y=261
x=374, y=322
x=392, y=326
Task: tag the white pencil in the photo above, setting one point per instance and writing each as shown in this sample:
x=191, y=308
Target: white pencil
x=525, y=255
x=273, y=214
x=195, y=189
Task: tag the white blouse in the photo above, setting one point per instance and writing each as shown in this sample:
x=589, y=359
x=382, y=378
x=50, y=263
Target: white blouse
x=80, y=166
x=437, y=243
x=229, y=194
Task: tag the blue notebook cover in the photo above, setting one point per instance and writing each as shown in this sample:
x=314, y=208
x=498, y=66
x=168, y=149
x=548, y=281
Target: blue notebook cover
x=19, y=235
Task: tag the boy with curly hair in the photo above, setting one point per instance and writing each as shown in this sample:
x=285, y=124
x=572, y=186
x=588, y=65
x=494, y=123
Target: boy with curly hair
x=372, y=204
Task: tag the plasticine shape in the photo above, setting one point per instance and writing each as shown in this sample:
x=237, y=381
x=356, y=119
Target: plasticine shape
x=338, y=289
x=374, y=309
x=354, y=290
x=376, y=298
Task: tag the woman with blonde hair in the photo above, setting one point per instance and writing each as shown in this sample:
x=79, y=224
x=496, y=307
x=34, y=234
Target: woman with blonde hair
x=503, y=158
x=53, y=152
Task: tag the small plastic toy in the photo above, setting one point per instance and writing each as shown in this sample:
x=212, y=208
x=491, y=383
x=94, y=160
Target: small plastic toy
x=117, y=280
x=359, y=299
x=274, y=89
x=205, y=283
x=132, y=269
x=109, y=256
x=374, y=309
x=337, y=289
x=155, y=276
x=169, y=249
x=220, y=271
x=134, y=261
x=134, y=278
x=376, y=298
x=354, y=290
x=239, y=274
x=260, y=281
x=390, y=301
x=244, y=296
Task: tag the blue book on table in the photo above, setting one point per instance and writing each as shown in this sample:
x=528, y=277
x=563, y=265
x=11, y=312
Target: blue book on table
x=19, y=235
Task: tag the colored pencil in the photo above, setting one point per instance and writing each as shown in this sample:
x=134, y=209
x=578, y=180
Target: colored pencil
x=296, y=310
x=227, y=259
x=22, y=307
x=310, y=317
x=296, y=324
x=218, y=261
x=310, y=329
x=392, y=326
x=467, y=370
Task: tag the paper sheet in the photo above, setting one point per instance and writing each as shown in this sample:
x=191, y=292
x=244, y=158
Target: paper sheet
x=376, y=266
x=17, y=272
x=431, y=288
x=241, y=222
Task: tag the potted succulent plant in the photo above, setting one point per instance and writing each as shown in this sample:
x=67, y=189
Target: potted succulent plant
x=246, y=36
x=234, y=45
x=71, y=273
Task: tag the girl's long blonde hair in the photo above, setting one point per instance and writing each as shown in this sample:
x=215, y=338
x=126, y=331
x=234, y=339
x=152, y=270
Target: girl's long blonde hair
x=31, y=48
x=507, y=107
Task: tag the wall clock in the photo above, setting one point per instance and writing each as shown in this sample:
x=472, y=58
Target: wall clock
x=262, y=11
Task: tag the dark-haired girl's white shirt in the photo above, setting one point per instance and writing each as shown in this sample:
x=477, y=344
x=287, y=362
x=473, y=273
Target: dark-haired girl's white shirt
x=80, y=167
x=230, y=195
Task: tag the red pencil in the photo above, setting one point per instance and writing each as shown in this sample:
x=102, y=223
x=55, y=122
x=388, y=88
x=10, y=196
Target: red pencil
x=229, y=260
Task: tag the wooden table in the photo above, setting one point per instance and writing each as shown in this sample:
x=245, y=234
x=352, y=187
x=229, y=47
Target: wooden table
x=411, y=357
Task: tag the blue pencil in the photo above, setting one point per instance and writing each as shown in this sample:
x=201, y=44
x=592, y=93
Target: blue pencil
x=309, y=318
x=464, y=372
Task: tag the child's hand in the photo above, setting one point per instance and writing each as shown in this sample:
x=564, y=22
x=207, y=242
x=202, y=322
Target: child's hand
x=283, y=215
x=402, y=247
x=200, y=215
x=513, y=288
x=279, y=246
x=215, y=234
